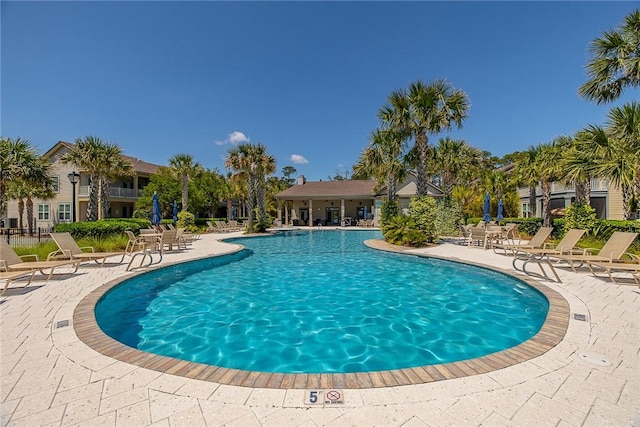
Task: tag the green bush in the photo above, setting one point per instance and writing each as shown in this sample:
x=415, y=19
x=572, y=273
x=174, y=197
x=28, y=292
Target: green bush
x=186, y=220
x=389, y=210
x=423, y=210
x=580, y=215
x=403, y=230
x=103, y=228
x=448, y=217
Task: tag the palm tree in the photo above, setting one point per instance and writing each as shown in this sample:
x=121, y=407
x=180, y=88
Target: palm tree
x=421, y=110
x=20, y=161
x=525, y=173
x=548, y=169
x=451, y=159
x=252, y=162
x=383, y=160
x=100, y=160
x=623, y=123
x=615, y=63
x=184, y=168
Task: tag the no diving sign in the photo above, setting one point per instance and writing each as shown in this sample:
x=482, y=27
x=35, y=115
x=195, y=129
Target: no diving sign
x=324, y=397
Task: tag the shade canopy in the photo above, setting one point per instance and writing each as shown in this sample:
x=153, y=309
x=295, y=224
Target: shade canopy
x=500, y=216
x=175, y=210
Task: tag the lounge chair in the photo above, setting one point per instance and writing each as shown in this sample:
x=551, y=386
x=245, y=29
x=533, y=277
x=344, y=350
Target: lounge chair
x=633, y=268
x=10, y=276
x=478, y=235
x=68, y=248
x=613, y=251
x=566, y=246
x=464, y=234
x=11, y=261
x=537, y=241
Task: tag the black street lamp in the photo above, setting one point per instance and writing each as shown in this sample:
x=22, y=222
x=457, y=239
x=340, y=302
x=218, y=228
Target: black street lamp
x=74, y=177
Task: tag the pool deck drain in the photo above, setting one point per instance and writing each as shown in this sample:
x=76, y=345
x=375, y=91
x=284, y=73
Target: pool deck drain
x=551, y=333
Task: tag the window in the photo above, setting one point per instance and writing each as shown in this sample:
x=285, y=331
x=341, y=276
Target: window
x=43, y=212
x=64, y=212
x=526, y=212
x=56, y=184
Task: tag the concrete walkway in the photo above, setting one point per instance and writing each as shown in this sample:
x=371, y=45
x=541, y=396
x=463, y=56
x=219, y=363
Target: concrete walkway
x=50, y=377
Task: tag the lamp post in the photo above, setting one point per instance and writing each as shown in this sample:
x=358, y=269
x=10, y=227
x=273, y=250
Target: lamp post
x=74, y=177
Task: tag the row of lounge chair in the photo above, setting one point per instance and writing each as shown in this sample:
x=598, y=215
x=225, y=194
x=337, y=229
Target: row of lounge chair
x=224, y=226
x=613, y=257
x=70, y=254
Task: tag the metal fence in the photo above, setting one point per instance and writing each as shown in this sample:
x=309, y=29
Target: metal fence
x=22, y=237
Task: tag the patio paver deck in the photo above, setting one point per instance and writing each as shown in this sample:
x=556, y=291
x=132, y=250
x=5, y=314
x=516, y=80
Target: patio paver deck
x=50, y=377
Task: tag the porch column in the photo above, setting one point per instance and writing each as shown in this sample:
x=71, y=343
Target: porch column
x=310, y=213
x=280, y=212
x=286, y=214
x=342, y=212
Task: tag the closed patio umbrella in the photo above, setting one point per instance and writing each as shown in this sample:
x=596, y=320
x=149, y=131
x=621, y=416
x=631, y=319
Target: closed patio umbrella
x=487, y=215
x=500, y=217
x=175, y=210
x=155, y=220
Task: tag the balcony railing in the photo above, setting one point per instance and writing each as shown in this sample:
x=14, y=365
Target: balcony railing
x=114, y=192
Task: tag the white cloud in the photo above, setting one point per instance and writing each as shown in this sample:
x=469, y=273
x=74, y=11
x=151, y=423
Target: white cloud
x=298, y=159
x=234, y=138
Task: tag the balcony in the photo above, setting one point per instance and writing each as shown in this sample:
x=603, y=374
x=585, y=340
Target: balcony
x=120, y=192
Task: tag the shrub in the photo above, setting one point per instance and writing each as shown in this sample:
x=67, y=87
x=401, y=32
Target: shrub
x=403, y=230
x=580, y=215
x=102, y=228
x=186, y=220
x=448, y=217
x=390, y=209
x=423, y=210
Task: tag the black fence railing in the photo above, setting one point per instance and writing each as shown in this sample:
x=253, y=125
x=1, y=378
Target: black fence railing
x=22, y=237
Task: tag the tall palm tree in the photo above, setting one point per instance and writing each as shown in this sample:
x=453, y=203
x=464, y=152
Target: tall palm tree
x=384, y=160
x=615, y=62
x=100, y=160
x=252, y=162
x=20, y=161
x=451, y=159
x=623, y=123
x=184, y=168
x=422, y=110
x=548, y=170
x=526, y=174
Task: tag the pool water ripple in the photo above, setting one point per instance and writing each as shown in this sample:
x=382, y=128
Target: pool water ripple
x=320, y=301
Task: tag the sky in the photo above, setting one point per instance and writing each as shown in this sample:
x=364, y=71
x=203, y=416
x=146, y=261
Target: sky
x=306, y=79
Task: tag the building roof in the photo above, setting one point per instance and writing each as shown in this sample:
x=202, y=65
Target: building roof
x=352, y=189
x=139, y=166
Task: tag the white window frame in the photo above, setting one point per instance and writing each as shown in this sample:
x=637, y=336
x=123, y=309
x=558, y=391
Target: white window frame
x=56, y=184
x=44, y=211
x=526, y=210
x=64, y=212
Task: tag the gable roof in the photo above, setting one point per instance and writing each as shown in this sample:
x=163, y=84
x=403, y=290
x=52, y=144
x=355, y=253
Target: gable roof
x=352, y=189
x=139, y=166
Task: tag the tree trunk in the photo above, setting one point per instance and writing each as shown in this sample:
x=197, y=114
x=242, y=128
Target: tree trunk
x=30, y=215
x=104, y=198
x=92, y=205
x=546, y=203
x=229, y=209
x=581, y=191
x=20, y=213
x=627, y=193
x=422, y=144
x=391, y=189
x=532, y=201
x=185, y=192
x=251, y=202
x=262, y=198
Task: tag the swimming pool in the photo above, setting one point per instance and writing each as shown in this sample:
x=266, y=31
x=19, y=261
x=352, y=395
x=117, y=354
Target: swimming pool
x=322, y=302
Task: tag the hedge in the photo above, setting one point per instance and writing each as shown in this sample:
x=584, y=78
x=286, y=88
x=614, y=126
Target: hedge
x=102, y=228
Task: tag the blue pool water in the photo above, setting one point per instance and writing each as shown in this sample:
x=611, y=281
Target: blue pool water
x=318, y=302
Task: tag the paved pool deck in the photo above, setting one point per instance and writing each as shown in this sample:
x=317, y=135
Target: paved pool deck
x=50, y=377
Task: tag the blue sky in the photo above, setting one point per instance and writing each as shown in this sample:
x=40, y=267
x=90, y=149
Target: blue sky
x=304, y=78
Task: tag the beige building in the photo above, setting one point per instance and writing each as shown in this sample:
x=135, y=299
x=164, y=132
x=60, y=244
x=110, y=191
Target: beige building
x=339, y=203
x=123, y=193
x=605, y=199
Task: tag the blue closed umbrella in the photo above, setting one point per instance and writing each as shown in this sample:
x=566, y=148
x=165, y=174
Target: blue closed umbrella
x=487, y=215
x=175, y=210
x=500, y=217
x=155, y=220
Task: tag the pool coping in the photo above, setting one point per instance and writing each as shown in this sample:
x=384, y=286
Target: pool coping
x=551, y=334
